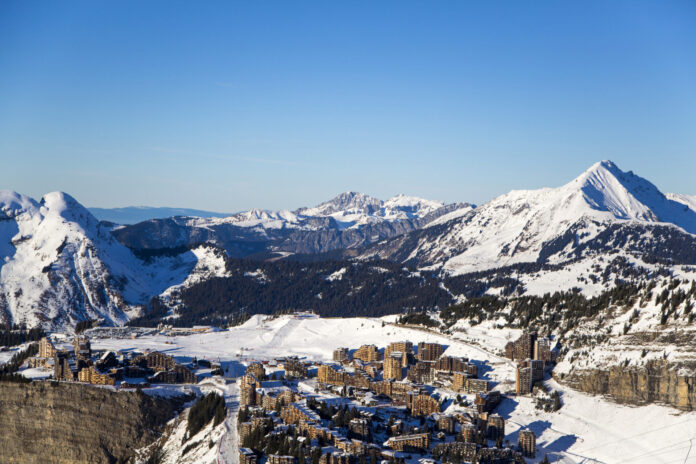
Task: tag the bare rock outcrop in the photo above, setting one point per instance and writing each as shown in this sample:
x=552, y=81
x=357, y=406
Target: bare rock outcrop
x=657, y=382
x=42, y=422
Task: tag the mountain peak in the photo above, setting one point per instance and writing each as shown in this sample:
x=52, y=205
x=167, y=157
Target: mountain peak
x=604, y=164
x=11, y=203
x=66, y=206
x=59, y=201
x=355, y=198
x=343, y=202
x=600, y=170
x=605, y=187
x=517, y=226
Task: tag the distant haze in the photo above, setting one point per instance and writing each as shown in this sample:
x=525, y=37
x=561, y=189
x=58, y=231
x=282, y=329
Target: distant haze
x=135, y=214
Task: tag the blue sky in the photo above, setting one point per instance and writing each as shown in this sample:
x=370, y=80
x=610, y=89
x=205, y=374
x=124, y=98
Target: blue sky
x=232, y=105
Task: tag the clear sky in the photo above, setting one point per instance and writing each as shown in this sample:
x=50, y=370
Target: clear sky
x=231, y=105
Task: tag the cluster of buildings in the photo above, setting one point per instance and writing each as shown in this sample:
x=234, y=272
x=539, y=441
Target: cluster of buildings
x=371, y=405
x=534, y=355
x=82, y=364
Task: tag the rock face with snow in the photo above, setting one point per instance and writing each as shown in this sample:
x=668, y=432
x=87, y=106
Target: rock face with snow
x=345, y=204
x=522, y=226
x=352, y=209
x=349, y=220
x=59, y=265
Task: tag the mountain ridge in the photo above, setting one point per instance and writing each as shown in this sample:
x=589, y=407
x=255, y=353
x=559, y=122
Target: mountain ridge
x=61, y=265
x=514, y=227
x=348, y=220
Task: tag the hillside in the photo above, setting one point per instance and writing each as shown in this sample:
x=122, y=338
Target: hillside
x=603, y=206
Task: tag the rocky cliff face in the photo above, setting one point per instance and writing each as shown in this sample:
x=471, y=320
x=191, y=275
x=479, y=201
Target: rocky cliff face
x=63, y=423
x=656, y=382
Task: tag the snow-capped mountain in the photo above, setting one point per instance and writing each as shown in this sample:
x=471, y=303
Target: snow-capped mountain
x=353, y=209
x=255, y=218
x=349, y=209
x=520, y=226
x=345, y=203
x=61, y=265
x=349, y=220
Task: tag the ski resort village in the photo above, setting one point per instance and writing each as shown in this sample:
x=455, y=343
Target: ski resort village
x=298, y=388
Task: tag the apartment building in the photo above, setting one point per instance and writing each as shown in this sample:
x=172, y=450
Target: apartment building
x=298, y=411
x=247, y=395
x=257, y=370
x=278, y=459
x=393, y=366
x=526, y=442
x=423, y=404
x=495, y=427
x=246, y=456
x=421, y=372
x=46, y=348
x=332, y=375
x=404, y=350
x=367, y=353
x=92, y=375
x=341, y=354
x=418, y=441
x=429, y=351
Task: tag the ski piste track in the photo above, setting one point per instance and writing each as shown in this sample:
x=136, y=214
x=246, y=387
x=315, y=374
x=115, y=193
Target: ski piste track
x=228, y=448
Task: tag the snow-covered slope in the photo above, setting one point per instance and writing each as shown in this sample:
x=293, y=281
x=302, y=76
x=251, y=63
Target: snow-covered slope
x=459, y=211
x=515, y=227
x=60, y=265
x=686, y=200
x=254, y=218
